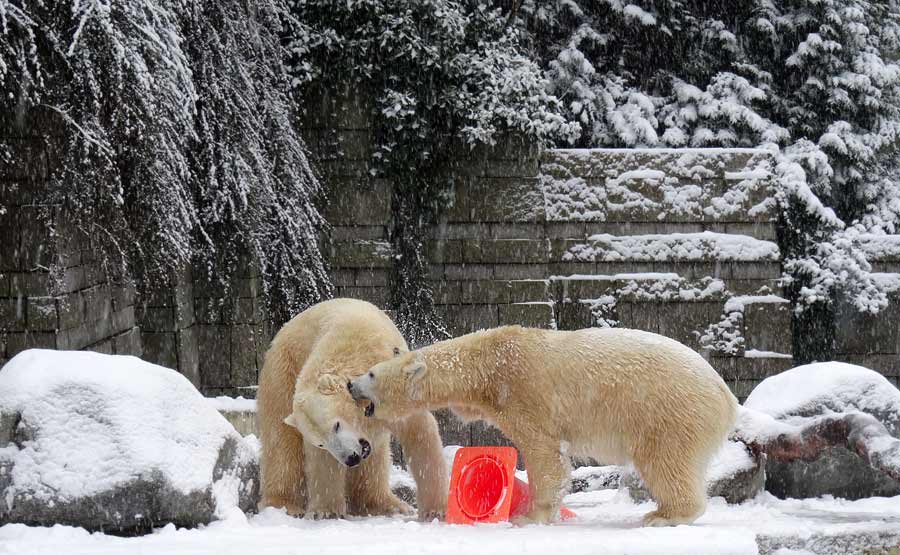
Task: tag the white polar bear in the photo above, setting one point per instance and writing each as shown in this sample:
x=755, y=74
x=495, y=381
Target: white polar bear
x=339, y=462
x=618, y=395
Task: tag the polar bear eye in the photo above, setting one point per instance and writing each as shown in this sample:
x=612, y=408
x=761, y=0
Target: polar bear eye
x=372, y=375
x=337, y=427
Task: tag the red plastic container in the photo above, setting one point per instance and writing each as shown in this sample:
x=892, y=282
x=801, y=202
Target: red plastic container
x=484, y=487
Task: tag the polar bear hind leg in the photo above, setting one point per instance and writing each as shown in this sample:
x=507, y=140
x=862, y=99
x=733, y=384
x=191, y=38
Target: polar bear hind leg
x=676, y=482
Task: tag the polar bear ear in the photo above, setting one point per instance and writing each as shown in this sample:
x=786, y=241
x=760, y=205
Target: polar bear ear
x=291, y=420
x=330, y=384
x=415, y=370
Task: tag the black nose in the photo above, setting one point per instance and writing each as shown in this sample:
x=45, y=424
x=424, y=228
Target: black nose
x=350, y=387
x=366, y=448
x=353, y=460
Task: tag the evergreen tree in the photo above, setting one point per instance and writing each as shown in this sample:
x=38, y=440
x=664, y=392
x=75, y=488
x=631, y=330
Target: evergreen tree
x=818, y=80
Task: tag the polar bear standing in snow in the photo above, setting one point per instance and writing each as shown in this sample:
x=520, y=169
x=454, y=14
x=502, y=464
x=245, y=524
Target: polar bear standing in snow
x=618, y=395
x=338, y=456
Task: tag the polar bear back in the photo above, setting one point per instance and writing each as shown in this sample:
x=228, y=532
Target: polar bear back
x=614, y=388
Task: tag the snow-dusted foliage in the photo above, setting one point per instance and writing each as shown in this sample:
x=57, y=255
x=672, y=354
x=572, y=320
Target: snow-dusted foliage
x=445, y=75
x=170, y=121
x=117, y=77
x=255, y=187
x=818, y=82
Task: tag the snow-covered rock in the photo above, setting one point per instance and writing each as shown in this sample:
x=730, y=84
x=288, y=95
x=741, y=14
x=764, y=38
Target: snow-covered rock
x=734, y=473
x=812, y=390
x=828, y=387
x=593, y=478
x=115, y=443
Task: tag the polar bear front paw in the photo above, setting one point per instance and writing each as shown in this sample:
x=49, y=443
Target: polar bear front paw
x=294, y=510
x=398, y=507
x=324, y=515
x=521, y=520
x=428, y=516
x=402, y=508
x=533, y=517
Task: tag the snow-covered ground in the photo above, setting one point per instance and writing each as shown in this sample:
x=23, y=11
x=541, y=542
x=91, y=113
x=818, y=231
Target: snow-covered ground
x=608, y=522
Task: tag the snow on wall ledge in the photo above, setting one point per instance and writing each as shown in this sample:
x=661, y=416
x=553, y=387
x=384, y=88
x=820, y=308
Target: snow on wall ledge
x=707, y=184
x=705, y=245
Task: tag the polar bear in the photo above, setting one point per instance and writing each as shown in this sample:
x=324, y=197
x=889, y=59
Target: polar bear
x=618, y=395
x=339, y=462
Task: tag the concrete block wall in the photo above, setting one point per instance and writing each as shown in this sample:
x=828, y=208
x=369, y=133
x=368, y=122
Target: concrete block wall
x=75, y=307
x=232, y=333
x=167, y=321
x=526, y=237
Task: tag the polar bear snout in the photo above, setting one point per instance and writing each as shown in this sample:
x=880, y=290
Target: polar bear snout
x=353, y=459
x=361, y=388
x=354, y=392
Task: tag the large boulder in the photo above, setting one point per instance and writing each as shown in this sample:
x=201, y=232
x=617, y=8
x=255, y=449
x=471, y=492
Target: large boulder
x=114, y=443
x=805, y=392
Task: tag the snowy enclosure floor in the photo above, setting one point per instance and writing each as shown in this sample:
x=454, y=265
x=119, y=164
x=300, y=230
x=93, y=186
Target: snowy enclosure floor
x=608, y=522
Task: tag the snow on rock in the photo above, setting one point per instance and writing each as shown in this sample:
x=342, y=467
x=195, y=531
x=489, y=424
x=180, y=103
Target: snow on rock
x=114, y=443
x=593, y=478
x=756, y=353
x=879, y=247
x=734, y=474
x=889, y=281
x=783, y=402
x=738, y=303
x=825, y=387
x=232, y=404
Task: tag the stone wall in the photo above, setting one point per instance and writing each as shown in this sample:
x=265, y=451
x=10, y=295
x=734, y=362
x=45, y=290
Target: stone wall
x=215, y=338
x=553, y=239
x=569, y=239
x=232, y=333
x=168, y=326
x=679, y=242
x=76, y=307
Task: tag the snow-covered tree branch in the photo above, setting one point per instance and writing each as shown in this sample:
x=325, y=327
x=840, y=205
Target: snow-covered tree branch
x=177, y=143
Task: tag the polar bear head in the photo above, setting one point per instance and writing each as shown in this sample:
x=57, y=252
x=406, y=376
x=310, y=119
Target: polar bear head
x=327, y=418
x=393, y=388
